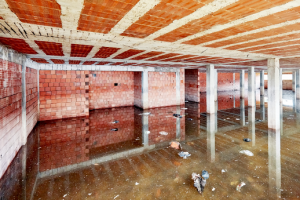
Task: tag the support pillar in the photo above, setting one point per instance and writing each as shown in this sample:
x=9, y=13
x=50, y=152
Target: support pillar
x=210, y=89
x=273, y=94
x=280, y=85
x=24, y=123
x=145, y=101
x=178, y=87
x=262, y=83
x=298, y=84
x=242, y=84
x=251, y=87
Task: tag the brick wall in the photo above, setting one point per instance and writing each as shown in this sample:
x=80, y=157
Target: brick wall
x=286, y=84
x=63, y=94
x=63, y=142
x=162, y=89
x=103, y=92
x=192, y=89
x=10, y=112
x=31, y=99
x=138, y=89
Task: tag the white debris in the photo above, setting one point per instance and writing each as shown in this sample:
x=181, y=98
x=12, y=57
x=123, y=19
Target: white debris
x=223, y=170
x=116, y=196
x=163, y=133
x=237, y=119
x=247, y=152
x=213, y=189
x=239, y=186
x=184, y=155
x=65, y=195
x=136, y=183
x=89, y=194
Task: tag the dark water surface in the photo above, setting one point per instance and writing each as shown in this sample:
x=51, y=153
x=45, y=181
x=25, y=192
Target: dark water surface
x=82, y=158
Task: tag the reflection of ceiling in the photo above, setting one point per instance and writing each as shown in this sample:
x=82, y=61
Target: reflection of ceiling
x=159, y=33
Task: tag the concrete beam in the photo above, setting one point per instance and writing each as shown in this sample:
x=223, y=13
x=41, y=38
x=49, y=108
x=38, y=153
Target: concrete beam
x=242, y=84
x=251, y=87
x=210, y=89
x=145, y=99
x=273, y=94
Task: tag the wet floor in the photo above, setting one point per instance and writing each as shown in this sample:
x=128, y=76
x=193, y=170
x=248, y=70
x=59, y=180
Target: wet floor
x=123, y=153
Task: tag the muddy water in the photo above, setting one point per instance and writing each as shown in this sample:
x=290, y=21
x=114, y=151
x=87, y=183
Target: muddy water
x=82, y=158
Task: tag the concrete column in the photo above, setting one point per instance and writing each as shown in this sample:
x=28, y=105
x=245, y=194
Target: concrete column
x=298, y=84
x=262, y=83
x=210, y=89
x=211, y=148
x=242, y=84
x=145, y=100
x=280, y=85
x=251, y=87
x=24, y=123
x=262, y=109
x=145, y=122
x=294, y=81
x=274, y=163
x=216, y=86
x=242, y=112
x=251, y=124
x=178, y=87
x=273, y=94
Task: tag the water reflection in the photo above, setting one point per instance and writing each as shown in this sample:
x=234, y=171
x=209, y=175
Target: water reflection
x=83, y=158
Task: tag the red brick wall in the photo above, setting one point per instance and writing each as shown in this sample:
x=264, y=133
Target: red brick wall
x=138, y=89
x=192, y=89
x=162, y=89
x=103, y=93
x=286, y=84
x=10, y=112
x=63, y=142
x=31, y=98
x=63, y=94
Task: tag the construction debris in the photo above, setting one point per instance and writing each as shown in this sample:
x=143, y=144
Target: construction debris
x=175, y=145
x=239, y=186
x=184, y=155
x=247, y=152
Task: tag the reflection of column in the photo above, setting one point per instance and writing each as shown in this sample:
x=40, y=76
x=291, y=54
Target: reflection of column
x=262, y=109
x=251, y=124
x=294, y=101
x=216, y=90
x=242, y=112
x=298, y=83
x=280, y=85
x=210, y=89
x=251, y=87
x=273, y=94
x=178, y=123
x=242, y=84
x=211, y=130
x=145, y=90
x=281, y=118
x=274, y=163
x=294, y=81
x=24, y=158
x=145, y=122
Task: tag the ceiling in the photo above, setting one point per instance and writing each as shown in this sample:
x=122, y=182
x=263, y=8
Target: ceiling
x=232, y=34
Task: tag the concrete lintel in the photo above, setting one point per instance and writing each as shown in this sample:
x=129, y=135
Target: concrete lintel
x=273, y=94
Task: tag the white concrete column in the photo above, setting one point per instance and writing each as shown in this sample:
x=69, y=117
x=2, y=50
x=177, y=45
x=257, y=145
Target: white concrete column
x=24, y=122
x=262, y=109
x=145, y=100
x=251, y=87
x=210, y=89
x=262, y=83
x=273, y=94
x=251, y=124
x=280, y=85
x=298, y=84
x=178, y=87
x=242, y=84
x=294, y=81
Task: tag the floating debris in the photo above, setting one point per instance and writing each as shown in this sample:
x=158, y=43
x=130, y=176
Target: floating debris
x=136, y=183
x=65, y=195
x=89, y=194
x=247, y=140
x=116, y=121
x=213, y=189
x=200, y=181
x=116, y=196
x=163, y=133
x=175, y=145
x=247, y=152
x=114, y=129
x=223, y=171
x=190, y=119
x=239, y=186
x=184, y=155
x=177, y=115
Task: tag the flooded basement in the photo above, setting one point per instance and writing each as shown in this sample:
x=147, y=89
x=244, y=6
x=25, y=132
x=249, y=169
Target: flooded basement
x=123, y=153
